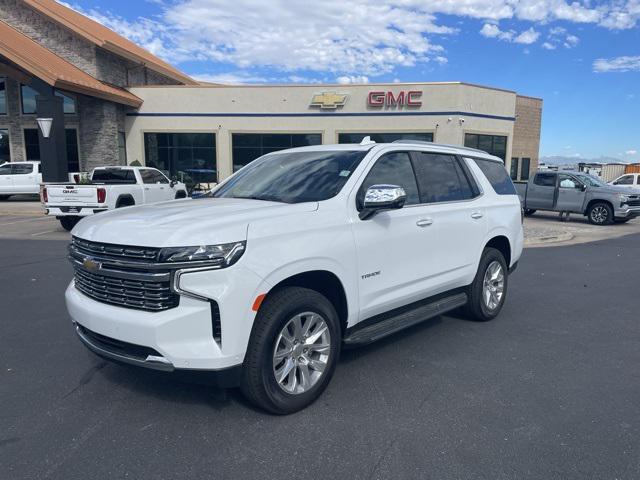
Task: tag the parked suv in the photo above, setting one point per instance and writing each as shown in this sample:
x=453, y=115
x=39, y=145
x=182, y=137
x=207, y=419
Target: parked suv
x=299, y=253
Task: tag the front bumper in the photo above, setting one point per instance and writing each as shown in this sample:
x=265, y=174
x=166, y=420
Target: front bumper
x=122, y=352
x=627, y=211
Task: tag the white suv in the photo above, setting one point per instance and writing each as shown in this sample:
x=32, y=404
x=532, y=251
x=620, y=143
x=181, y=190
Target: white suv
x=299, y=253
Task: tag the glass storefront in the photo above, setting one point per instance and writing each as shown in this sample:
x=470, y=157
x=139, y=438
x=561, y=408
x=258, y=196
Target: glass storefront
x=387, y=137
x=32, y=147
x=492, y=144
x=28, y=95
x=249, y=146
x=187, y=157
x=5, y=153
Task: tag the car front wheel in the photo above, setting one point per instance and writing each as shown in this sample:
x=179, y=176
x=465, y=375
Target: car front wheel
x=600, y=214
x=293, y=350
x=69, y=222
x=488, y=291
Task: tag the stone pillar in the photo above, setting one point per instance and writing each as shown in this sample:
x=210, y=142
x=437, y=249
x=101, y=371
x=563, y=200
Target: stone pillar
x=53, y=150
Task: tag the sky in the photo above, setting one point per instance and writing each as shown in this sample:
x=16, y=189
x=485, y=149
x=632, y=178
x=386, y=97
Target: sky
x=582, y=57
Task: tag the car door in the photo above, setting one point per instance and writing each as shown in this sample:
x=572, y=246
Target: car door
x=541, y=193
x=452, y=201
x=152, y=189
x=571, y=194
x=6, y=182
x=24, y=178
x=165, y=190
x=392, y=246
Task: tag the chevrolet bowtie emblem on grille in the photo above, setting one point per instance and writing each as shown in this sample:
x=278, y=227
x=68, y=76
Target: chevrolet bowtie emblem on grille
x=90, y=264
x=330, y=100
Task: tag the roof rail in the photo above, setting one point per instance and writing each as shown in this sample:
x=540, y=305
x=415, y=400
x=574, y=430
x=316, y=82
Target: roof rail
x=422, y=142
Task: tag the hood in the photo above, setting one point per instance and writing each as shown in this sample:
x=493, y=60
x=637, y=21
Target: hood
x=203, y=221
x=613, y=189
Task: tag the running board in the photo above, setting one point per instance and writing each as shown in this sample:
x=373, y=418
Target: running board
x=405, y=319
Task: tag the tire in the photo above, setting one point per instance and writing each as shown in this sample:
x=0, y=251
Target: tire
x=529, y=211
x=181, y=195
x=278, y=311
x=4, y=197
x=125, y=202
x=478, y=308
x=69, y=222
x=600, y=213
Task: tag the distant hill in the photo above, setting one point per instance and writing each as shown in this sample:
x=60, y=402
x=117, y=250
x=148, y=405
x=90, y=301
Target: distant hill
x=561, y=160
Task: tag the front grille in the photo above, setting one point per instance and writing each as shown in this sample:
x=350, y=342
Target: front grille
x=152, y=296
x=122, y=275
x=634, y=203
x=119, y=252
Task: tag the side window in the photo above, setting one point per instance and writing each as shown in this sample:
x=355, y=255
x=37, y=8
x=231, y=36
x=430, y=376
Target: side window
x=21, y=169
x=567, y=181
x=5, y=169
x=638, y=180
x=392, y=169
x=440, y=178
x=497, y=176
x=147, y=176
x=626, y=180
x=545, y=179
x=159, y=177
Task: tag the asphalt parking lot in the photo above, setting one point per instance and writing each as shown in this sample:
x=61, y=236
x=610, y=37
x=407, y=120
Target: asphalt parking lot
x=549, y=390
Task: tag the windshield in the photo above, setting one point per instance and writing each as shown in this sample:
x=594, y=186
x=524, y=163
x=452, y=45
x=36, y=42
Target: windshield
x=293, y=177
x=592, y=181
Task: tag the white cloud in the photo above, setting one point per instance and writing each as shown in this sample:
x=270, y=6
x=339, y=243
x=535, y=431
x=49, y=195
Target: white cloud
x=229, y=78
x=346, y=79
x=631, y=152
x=527, y=37
x=617, y=64
x=344, y=37
x=548, y=46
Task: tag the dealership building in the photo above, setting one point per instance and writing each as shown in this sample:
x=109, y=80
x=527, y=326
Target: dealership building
x=106, y=101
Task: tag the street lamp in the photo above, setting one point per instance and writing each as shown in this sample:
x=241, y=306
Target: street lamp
x=45, y=126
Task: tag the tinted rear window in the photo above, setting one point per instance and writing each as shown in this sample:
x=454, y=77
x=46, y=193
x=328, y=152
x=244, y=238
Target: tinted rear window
x=113, y=176
x=497, y=176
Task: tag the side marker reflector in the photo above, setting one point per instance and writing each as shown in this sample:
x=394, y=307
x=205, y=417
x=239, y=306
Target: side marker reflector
x=257, y=302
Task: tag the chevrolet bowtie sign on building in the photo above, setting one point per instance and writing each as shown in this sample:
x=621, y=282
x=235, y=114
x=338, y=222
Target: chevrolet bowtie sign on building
x=329, y=100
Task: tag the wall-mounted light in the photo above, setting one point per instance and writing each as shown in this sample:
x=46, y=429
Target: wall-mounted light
x=45, y=126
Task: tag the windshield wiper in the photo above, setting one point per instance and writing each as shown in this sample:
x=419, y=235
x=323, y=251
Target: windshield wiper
x=264, y=198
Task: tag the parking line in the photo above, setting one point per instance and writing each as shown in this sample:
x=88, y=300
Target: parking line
x=42, y=233
x=25, y=220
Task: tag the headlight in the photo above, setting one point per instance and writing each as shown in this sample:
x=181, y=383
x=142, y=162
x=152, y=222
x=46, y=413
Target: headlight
x=205, y=255
x=623, y=198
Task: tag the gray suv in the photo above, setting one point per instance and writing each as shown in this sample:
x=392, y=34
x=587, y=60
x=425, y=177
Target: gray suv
x=578, y=192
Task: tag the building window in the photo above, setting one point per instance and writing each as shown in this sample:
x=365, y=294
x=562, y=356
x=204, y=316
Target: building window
x=249, y=146
x=514, y=168
x=492, y=144
x=32, y=147
x=28, y=95
x=122, y=148
x=384, y=137
x=524, y=170
x=188, y=157
x=5, y=153
x=3, y=96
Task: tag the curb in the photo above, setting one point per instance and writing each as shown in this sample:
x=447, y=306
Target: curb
x=547, y=239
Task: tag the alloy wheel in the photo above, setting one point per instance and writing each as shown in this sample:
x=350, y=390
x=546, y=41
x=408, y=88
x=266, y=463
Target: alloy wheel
x=301, y=352
x=493, y=285
x=599, y=214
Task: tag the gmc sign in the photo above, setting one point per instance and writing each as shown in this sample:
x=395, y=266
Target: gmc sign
x=410, y=98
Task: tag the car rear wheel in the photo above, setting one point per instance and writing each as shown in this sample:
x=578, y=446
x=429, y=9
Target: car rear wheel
x=293, y=350
x=600, y=213
x=69, y=222
x=488, y=291
x=529, y=211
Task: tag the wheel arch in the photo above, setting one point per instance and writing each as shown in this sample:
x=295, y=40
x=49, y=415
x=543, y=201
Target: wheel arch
x=593, y=201
x=126, y=200
x=503, y=245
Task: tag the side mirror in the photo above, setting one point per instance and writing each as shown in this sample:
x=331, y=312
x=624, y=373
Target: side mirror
x=172, y=183
x=583, y=187
x=382, y=197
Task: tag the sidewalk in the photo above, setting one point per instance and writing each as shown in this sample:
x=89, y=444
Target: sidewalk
x=545, y=228
x=21, y=205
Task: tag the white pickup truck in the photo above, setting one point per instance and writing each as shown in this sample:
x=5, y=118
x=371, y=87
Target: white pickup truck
x=19, y=178
x=110, y=187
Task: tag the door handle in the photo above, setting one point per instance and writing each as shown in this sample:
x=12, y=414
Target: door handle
x=146, y=188
x=425, y=222
x=476, y=215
